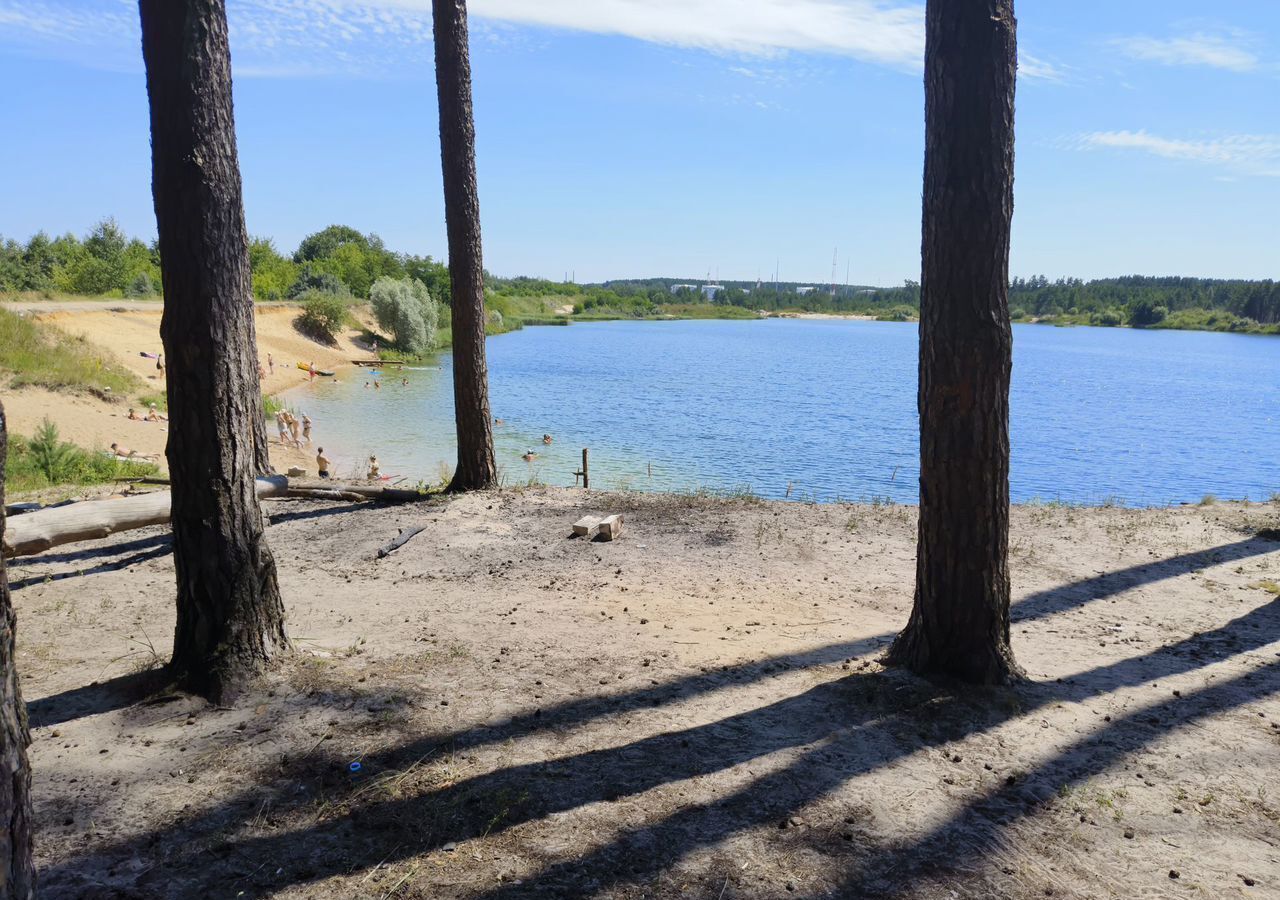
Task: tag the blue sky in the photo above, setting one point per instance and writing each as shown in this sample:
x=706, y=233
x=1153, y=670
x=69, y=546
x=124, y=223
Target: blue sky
x=626, y=138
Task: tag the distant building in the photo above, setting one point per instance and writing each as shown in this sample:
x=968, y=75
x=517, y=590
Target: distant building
x=677, y=288
x=710, y=290
x=805, y=289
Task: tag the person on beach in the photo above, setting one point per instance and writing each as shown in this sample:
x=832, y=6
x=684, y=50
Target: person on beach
x=124, y=452
x=374, y=471
x=282, y=426
x=153, y=416
x=133, y=414
x=294, y=428
x=271, y=364
x=160, y=364
x=322, y=464
x=306, y=429
x=262, y=371
x=311, y=370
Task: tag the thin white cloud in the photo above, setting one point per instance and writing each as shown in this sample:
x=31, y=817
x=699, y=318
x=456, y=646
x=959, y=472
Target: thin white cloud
x=1231, y=50
x=1034, y=67
x=1246, y=154
x=374, y=37
x=890, y=33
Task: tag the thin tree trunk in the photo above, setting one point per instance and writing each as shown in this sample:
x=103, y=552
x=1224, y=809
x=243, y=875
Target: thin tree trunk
x=959, y=625
x=17, y=872
x=476, y=467
x=230, y=617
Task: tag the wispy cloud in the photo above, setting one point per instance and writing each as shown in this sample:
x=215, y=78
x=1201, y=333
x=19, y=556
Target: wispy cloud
x=371, y=37
x=890, y=33
x=1233, y=50
x=1246, y=154
x=1034, y=67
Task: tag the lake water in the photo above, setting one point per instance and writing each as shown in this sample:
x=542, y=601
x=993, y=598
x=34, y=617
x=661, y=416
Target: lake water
x=826, y=410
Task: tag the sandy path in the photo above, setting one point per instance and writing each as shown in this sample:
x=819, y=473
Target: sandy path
x=126, y=329
x=695, y=710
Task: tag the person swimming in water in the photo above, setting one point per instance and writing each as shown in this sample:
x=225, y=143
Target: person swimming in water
x=529, y=456
x=546, y=439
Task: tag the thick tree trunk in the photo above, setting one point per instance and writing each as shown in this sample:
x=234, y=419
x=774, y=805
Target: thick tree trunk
x=476, y=466
x=17, y=873
x=230, y=617
x=960, y=621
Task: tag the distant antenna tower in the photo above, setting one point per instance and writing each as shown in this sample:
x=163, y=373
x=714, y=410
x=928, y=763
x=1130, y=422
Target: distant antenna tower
x=835, y=254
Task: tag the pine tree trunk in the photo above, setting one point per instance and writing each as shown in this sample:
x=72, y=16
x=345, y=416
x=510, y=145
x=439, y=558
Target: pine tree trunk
x=230, y=617
x=17, y=872
x=476, y=467
x=959, y=625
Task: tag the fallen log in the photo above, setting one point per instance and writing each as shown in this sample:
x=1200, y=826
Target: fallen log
x=371, y=492
x=89, y=520
x=405, y=535
x=324, y=494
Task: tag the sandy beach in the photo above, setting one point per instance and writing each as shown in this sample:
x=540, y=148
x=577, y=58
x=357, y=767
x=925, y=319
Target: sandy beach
x=126, y=329
x=697, y=709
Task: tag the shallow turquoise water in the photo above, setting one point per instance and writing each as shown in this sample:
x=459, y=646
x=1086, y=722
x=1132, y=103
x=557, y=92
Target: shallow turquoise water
x=827, y=409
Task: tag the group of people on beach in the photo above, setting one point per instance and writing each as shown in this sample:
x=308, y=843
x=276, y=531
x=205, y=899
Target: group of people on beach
x=294, y=432
x=152, y=415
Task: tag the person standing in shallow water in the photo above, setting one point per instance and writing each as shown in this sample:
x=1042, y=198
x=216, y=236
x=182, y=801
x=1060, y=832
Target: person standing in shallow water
x=322, y=464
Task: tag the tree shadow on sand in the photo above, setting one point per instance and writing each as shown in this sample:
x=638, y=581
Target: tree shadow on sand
x=834, y=732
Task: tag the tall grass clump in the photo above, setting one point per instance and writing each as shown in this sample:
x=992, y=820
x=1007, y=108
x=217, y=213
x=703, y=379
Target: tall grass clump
x=37, y=354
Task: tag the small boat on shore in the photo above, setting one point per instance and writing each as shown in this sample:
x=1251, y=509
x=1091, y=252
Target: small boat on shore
x=307, y=368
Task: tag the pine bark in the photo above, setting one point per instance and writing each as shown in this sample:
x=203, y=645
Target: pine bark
x=959, y=623
x=17, y=872
x=476, y=466
x=230, y=616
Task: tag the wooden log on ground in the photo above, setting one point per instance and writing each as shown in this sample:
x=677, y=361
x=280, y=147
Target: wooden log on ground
x=89, y=520
x=610, y=527
x=368, y=491
x=323, y=494
x=405, y=535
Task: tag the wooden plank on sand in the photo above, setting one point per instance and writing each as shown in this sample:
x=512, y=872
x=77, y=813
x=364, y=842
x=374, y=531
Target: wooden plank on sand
x=610, y=527
x=586, y=526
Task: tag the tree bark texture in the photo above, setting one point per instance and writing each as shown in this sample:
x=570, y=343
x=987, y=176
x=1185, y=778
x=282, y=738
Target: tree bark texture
x=476, y=467
x=17, y=872
x=959, y=624
x=230, y=616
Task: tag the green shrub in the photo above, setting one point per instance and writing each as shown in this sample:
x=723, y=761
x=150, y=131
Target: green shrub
x=404, y=308
x=141, y=286
x=45, y=461
x=1143, y=313
x=323, y=316
x=309, y=280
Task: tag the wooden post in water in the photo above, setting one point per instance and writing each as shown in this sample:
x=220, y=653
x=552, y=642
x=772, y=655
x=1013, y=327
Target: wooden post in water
x=586, y=478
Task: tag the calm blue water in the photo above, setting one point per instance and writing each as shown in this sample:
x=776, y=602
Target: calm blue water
x=827, y=408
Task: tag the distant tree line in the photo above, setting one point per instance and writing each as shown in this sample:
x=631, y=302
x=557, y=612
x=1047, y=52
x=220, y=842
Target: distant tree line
x=342, y=261
x=338, y=260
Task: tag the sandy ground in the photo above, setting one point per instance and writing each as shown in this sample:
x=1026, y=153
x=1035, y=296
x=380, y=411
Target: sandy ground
x=124, y=330
x=696, y=710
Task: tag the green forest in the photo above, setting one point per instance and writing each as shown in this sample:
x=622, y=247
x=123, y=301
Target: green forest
x=341, y=261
